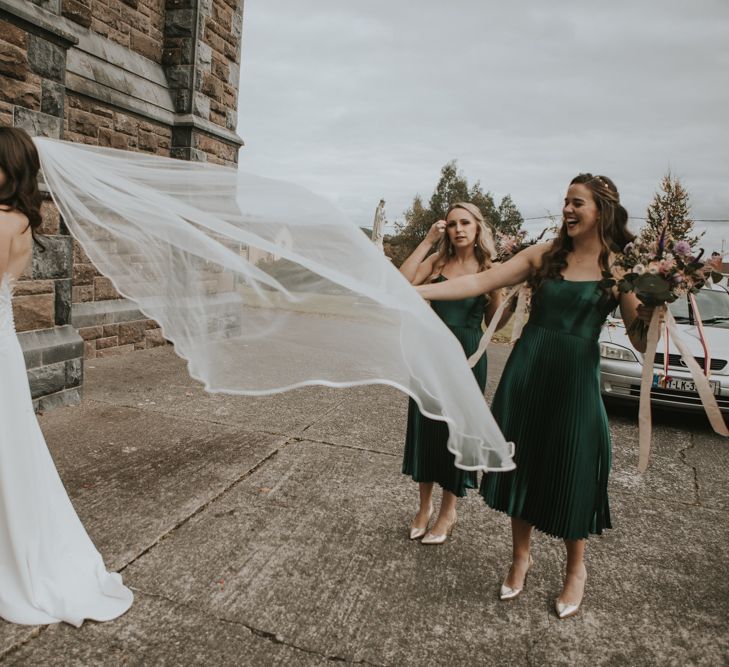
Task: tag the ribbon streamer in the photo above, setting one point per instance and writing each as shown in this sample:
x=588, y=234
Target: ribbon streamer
x=701, y=382
x=700, y=379
x=702, y=335
x=491, y=329
x=520, y=316
x=644, y=411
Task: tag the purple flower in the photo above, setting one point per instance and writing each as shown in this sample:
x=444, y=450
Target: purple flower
x=682, y=248
x=628, y=248
x=678, y=278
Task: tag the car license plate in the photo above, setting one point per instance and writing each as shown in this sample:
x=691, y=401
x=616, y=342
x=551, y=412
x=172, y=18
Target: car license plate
x=679, y=384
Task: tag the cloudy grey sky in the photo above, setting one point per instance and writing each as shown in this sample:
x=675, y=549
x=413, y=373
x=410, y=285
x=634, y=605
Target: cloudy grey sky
x=363, y=100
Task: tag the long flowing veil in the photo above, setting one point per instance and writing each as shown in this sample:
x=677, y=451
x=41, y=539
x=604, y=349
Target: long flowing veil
x=263, y=286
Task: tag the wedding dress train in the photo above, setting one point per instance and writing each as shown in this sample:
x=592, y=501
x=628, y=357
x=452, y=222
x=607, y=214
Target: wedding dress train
x=50, y=570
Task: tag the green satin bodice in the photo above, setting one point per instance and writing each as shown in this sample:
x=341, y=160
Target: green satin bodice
x=462, y=313
x=577, y=308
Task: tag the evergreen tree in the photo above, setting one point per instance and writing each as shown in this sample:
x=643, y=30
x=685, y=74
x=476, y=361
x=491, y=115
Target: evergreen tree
x=485, y=202
x=418, y=220
x=510, y=219
x=670, y=207
x=452, y=187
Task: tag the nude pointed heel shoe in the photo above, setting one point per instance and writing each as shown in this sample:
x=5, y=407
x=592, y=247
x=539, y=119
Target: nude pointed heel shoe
x=509, y=593
x=565, y=609
x=568, y=609
x=433, y=539
x=417, y=533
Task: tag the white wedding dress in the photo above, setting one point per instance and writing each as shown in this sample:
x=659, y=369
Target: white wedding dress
x=50, y=570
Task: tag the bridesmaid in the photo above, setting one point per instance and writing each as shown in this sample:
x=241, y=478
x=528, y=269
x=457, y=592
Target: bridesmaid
x=548, y=399
x=466, y=246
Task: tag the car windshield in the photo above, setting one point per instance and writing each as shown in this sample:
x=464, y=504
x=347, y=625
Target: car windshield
x=713, y=308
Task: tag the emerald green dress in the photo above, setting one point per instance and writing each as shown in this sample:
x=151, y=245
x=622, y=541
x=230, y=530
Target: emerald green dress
x=426, y=457
x=548, y=403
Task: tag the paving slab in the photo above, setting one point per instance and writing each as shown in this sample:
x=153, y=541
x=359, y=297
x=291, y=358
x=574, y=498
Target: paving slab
x=274, y=531
x=135, y=475
x=313, y=547
x=708, y=457
x=373, y=417
x=156, y=631
x=157, y=381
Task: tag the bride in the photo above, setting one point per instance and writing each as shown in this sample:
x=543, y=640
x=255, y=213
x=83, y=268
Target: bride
x=50, y=570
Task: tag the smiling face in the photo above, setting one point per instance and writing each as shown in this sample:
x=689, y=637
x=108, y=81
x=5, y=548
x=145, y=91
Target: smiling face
x=580, y=213
x=462, y=228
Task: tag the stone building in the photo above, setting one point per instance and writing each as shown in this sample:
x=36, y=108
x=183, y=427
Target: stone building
x=159, y=76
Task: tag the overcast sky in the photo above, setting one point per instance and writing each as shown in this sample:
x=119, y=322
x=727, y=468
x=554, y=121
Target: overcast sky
x=363, y=100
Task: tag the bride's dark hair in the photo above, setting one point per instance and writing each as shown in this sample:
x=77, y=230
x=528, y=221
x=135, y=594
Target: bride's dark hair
x=20, y=164
x=613, y=228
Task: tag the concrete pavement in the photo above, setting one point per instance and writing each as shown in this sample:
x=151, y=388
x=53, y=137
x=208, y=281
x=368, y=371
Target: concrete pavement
x=273, y=531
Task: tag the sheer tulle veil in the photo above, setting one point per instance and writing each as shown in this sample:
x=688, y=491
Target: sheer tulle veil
x=263, y=286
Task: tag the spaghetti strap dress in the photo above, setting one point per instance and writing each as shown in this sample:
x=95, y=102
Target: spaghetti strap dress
x=548, y=403
x=426, y=457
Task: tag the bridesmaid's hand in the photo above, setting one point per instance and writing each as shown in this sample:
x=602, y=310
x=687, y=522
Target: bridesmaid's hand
x=645, y=313
x=436, y=232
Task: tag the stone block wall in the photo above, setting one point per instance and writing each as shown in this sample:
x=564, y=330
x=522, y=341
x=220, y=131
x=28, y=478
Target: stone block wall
x=32, y=71
x=90, y=122
x=159, y=76
x=202, y=60
x=135, y=24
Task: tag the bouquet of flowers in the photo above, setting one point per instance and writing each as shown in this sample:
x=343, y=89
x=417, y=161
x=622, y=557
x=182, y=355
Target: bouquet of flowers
x=659, y=272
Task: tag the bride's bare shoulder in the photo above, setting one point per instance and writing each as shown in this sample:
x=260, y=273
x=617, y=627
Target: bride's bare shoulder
x=12, y=222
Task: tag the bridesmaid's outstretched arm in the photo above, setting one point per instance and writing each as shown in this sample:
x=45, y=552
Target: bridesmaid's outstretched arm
x=516, y=270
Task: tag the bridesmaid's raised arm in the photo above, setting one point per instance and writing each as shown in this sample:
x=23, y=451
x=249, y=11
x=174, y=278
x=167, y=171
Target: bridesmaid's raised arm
x=418, y=266
x=516, y=270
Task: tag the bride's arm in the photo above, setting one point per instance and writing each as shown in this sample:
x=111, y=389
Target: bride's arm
x=516, y=270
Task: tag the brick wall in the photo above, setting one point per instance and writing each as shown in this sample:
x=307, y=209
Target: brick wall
x=72, y=69
x=220, y=82
x=91, y=122
x=135, y=24
x=31, y=78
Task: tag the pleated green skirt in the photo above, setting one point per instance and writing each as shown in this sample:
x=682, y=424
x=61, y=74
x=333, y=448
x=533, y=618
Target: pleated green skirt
x=426, y=457
x=548, y=403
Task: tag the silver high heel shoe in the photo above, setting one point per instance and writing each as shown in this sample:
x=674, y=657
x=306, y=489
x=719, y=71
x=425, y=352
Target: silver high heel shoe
x=417, y=533
x=567, y=609
x=432, y=538
x=509, y=593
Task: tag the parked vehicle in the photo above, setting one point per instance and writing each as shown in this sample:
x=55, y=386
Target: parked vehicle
x=621, y=365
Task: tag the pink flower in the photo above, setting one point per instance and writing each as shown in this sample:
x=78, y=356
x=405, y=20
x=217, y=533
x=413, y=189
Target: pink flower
x=667, y=265
x=682, y=248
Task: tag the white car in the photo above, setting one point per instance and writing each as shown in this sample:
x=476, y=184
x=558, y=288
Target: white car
x=621, y=365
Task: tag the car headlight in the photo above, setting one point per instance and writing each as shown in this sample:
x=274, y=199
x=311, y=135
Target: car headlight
x=610, y=351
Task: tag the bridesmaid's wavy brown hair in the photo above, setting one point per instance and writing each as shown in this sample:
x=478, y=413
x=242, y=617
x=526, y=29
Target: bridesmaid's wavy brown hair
x=20, y=164
x=613, y=228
